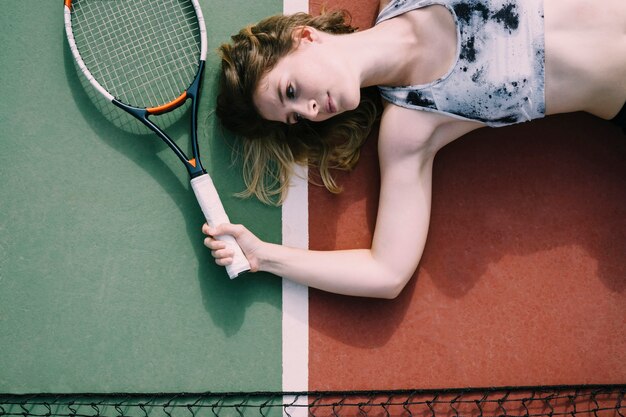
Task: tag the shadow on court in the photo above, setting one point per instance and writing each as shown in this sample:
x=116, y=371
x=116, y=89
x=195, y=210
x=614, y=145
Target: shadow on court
x=524, y=261
x=224, y=299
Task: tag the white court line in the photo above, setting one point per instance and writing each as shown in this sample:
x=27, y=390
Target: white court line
x=295, y=327
x=295, y=330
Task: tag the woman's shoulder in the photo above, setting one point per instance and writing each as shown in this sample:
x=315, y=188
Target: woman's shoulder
x=410, y=131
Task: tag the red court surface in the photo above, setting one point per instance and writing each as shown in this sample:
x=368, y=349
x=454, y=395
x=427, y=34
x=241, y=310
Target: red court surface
x=523, y=279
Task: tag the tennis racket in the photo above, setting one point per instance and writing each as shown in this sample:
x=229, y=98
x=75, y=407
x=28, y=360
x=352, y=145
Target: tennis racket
x=147, y=58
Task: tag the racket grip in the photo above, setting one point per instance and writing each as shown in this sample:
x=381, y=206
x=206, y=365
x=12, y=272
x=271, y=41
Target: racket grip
x=215, y=215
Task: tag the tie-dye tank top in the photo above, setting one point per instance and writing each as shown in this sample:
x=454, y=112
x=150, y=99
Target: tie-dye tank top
x=498, y=75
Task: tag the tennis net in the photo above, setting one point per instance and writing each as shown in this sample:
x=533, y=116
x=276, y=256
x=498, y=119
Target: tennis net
x=541, y=401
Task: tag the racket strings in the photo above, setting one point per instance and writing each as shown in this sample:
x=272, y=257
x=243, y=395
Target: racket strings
x=145, y=53
x=166, y=77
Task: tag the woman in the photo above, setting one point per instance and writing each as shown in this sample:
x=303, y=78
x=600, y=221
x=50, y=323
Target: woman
x=446, y=68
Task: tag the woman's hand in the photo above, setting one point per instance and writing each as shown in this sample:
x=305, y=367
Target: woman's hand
x=248, y=242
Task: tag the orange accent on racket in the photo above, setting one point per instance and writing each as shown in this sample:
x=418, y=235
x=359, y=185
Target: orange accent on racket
x=168, y=106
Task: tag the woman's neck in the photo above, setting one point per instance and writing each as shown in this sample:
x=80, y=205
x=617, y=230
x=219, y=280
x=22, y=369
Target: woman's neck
x=414, y=48
x=382, y=55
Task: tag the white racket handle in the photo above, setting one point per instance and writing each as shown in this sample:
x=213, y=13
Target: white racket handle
x=215, y=215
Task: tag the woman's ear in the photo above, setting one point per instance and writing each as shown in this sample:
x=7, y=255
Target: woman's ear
x=306, y=34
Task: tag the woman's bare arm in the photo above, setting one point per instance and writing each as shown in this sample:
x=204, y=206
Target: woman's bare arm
x=381, y=271
x=399, y=237
x=406, y=157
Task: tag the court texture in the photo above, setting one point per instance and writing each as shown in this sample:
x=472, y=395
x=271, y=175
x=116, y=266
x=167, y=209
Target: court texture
x=107, y=290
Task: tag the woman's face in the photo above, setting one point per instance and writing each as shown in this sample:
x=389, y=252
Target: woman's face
x=310, y=83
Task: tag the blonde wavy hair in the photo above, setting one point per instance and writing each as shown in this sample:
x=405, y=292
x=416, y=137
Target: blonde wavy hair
x=269, y=149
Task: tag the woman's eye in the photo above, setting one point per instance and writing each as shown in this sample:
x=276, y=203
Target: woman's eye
x=291, y=93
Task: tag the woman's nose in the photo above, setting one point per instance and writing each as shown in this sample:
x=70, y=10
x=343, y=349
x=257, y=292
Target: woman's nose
x=309, y=109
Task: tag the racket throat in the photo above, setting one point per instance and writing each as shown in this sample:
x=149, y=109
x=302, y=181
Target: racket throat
x=193, y=165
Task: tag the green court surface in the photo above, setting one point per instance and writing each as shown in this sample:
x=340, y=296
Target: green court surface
x=105, y=285
x=106, y=288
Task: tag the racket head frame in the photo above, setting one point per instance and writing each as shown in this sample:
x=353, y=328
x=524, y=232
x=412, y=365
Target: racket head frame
x=193, y=164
